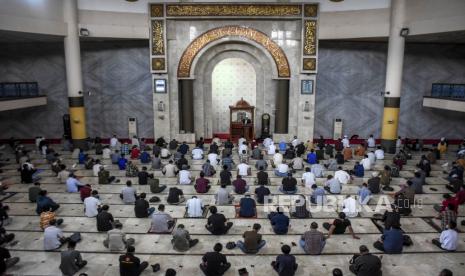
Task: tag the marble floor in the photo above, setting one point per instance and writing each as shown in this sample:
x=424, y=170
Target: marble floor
x=422, y=258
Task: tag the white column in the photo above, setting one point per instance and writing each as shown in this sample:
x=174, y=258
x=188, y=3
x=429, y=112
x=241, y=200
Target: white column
x=72, y=49
x=395, y=62
x=395, y=58
x=74, y=75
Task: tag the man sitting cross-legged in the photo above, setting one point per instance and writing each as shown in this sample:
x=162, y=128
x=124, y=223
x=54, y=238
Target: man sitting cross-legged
x=285, y=263
x=449, y=238
x=162, y=222
x=252, y=240
x=214, y=263
x=130, y=265
x=339, y=226
x=71, y=260
x=217, y=223
x=279, y=221
x=116, y=239
x=313, y=241
x=181, y=239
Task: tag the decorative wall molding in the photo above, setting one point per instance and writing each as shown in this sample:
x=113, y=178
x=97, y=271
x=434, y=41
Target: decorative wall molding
x=280, y=59
x=310, y=37
x=311, y=10
x=192, y=10
x=158, y=45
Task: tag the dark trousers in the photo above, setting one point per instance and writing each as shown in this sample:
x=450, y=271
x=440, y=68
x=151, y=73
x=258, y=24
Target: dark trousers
x=222, y=269
x=226, y=228
x=328, y=190
x=379, y=245
x=142, y=267
x=437, y=243
x=276, y=266
x=193, y=242
x=326, y=226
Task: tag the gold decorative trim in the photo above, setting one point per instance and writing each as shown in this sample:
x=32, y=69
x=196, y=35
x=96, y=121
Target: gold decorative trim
x=310, y=10
x=309, y=64
x=309, y=37
x=158, y=64
x=233, y=10
x=156, y=10
x=185, y=63
x=158, y=45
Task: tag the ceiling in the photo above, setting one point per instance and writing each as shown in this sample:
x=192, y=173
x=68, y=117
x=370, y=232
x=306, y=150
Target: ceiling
x=141, y=6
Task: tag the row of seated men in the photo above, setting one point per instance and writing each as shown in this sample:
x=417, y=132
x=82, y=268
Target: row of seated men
x=278, y=215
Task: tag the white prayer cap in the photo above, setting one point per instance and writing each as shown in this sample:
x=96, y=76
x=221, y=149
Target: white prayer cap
x=374, y=174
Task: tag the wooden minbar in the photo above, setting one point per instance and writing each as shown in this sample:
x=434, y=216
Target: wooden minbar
x=241, y=119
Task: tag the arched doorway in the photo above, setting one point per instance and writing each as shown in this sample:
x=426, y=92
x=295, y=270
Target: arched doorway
x=195, y=78
x=232, y=79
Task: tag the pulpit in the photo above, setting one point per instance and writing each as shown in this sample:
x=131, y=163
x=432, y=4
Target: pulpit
x=241, y=121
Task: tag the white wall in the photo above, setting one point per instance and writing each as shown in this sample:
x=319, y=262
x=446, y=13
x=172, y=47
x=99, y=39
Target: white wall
x=33, y=16
x=232, y=79
x=435, y=16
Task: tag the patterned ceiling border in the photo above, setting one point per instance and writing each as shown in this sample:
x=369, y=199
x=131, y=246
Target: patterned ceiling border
x=189, y=10
x=280, y=59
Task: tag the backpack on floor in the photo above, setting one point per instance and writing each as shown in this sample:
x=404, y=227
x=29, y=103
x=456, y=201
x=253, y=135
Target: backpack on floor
x=394, y=171
x=407, y=240
x=76, y=237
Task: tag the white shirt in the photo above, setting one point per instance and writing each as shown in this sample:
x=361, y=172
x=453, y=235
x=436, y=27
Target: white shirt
x=379, y=154
x=52, y=235
x=217, y=141
x=372, y=157
x=271, y=149
x=91, y=204
x=283, y=168
x=241, y=141
x=113, y=141
x=295, y=142
x=31, y=167
x=194, y=207
x=184, y=177
x=345, y=143
x=371, y=142
x=170, y=170
x=350, y=207
x=135, y=142
x=213, y=157
x=398, y=143
x=342, y=176
x=309, y=179
x=366, y=163
x=242, y=147
x=243, y=168
x=277, y=158
x=164, y=153
x=267, y=142
x=197, y=153
x=106, y=153
x=63, y=176
x=449, y=239
x=96, y=169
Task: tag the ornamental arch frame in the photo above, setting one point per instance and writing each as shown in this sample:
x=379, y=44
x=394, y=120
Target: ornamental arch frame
x=186, y=62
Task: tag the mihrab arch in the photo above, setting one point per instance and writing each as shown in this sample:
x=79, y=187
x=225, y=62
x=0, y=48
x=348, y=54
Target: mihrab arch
x=187, y=58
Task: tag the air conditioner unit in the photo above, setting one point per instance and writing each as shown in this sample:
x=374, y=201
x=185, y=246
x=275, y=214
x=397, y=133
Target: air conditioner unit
x=132, y=126
x=337, y=128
